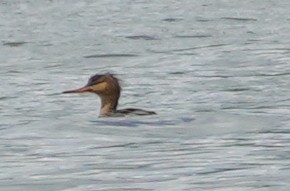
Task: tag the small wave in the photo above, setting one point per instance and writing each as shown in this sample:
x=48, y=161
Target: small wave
x=7, y=97
x=135, y=123
x=178, y=73
x=110, y=55
x=203, y=20
x=277, y=74
x=142, y=37
x=214, y=76
x=187, y=54
x=14, y=72
x=239, y=19
x=14, y=44
x=183, y=51
x=219, y=170
x=199, y=47
x=172, y=19
x=237, y=89
x=193, y=36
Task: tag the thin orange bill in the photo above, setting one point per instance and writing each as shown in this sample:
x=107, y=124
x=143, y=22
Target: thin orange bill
x=80, y=90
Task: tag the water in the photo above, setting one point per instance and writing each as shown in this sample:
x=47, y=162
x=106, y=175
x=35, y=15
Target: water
x=216, y=72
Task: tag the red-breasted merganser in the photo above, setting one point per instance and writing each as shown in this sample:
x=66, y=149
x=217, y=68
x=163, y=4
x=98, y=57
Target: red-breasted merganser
x=107, y=87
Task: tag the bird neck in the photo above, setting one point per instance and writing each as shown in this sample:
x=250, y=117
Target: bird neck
x=109, y=104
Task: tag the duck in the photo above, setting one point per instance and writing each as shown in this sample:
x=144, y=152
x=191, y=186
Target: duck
x=108, y=88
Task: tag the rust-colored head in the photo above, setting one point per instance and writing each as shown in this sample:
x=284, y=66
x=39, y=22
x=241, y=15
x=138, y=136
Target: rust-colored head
x=101, y=84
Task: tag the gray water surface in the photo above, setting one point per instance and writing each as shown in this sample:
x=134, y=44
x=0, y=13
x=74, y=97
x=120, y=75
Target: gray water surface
x=216, y=72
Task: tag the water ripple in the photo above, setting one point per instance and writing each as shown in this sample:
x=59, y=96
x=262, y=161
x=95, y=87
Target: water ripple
x=172, y=19
x=14, y=44
x=142, y=37
x=239, y=19
x=110, y=55
x=193, y=36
